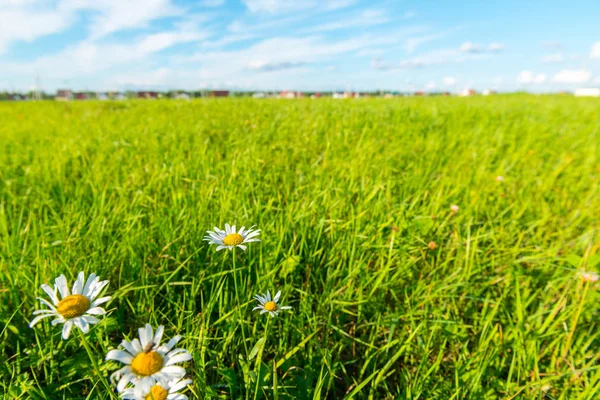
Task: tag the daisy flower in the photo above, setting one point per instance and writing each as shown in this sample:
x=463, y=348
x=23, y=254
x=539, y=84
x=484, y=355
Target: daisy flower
x=230, y=238
x=157, y=392
x=147, y=362
x=500, y=178
x=266, y=304
x=76, y=307
x=454, y=208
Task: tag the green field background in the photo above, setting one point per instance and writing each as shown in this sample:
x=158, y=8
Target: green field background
x=347, y=195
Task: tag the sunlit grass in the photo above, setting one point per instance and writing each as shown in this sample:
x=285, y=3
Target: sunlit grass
x=348, y=196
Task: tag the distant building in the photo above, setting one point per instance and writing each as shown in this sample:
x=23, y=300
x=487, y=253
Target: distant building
x=147, y=95
x=259, y=95
x=102, y=96
x=219, y=93
x=587, y=92
x=467, y=92
x=81, y=96
x=64, y=95
x=182, y=96
x=337, y=95
x=287, y=94
x=487, y=92
x=419, y=93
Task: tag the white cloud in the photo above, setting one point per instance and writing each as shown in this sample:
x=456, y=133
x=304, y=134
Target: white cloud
x=528, y=77
x=411, y=44
x=431, y=85
x=469, y=47
x=20, y=22
x=496, y=46
x=449, y=81
x=28, y=20
x=556, y=58
x=595, y=52
x=118, y=15
x=267, y=66
x=572, y=76
x=286, y=6
x=364, y=19
x=89, y=57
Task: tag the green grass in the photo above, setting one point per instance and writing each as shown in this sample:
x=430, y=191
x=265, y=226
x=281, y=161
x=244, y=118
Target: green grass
x=348, y=194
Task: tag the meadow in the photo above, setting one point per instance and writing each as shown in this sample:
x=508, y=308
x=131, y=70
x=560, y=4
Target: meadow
x=394, y=293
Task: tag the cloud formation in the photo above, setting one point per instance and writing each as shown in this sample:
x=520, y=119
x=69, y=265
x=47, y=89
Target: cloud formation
x=572, y=76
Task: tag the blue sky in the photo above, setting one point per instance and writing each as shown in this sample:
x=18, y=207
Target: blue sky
x=539, y=46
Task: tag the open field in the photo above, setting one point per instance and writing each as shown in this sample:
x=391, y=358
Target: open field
x=348, y=195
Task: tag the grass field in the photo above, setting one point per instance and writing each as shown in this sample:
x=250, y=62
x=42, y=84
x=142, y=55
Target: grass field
x=348, y=196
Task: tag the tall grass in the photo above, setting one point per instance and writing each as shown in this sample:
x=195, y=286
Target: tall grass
x=348, y=195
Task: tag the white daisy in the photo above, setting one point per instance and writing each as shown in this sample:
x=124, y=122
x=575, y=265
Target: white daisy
x=230, y=238
x=454, y=208
x=148, y=363
x=269, y=305
x=157, y=392
x=77, y=307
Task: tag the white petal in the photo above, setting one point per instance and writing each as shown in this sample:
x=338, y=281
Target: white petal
x=90, y=320
x=227, y=229
x=257, y=308
x=96, y=289
x=167, y=347
x=58, y=320
x=127, y=346
x=174, y=370
x=135, y=343
x=88, y=283
x=67, y=329
x=78, y=285
x=158, y=335
x=241, y=246
x=146, y=335
x=51, y=293
x=221, y=247
x=81, y=324
x=264, y=311
x=46, y=302
x=180, y=385
x=45, y=311
x=233, y=229
x=285, y=308
x=268, y=296
x=277, y=296
x=96, y=311
x=61, y=284
x=119, y=355
x=99, y=301
x=251, y=234
x=38, y=319
x=183, y=357
x=123, y=382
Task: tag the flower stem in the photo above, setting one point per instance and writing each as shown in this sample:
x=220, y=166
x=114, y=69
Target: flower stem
x=259, y=358
x=88, y=349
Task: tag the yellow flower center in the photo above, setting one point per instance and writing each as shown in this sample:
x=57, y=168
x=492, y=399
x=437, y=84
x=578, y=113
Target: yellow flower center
x=157, y=393
x=233, y=239
x=146, y=364
x=73, y=306
x=270, y=306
